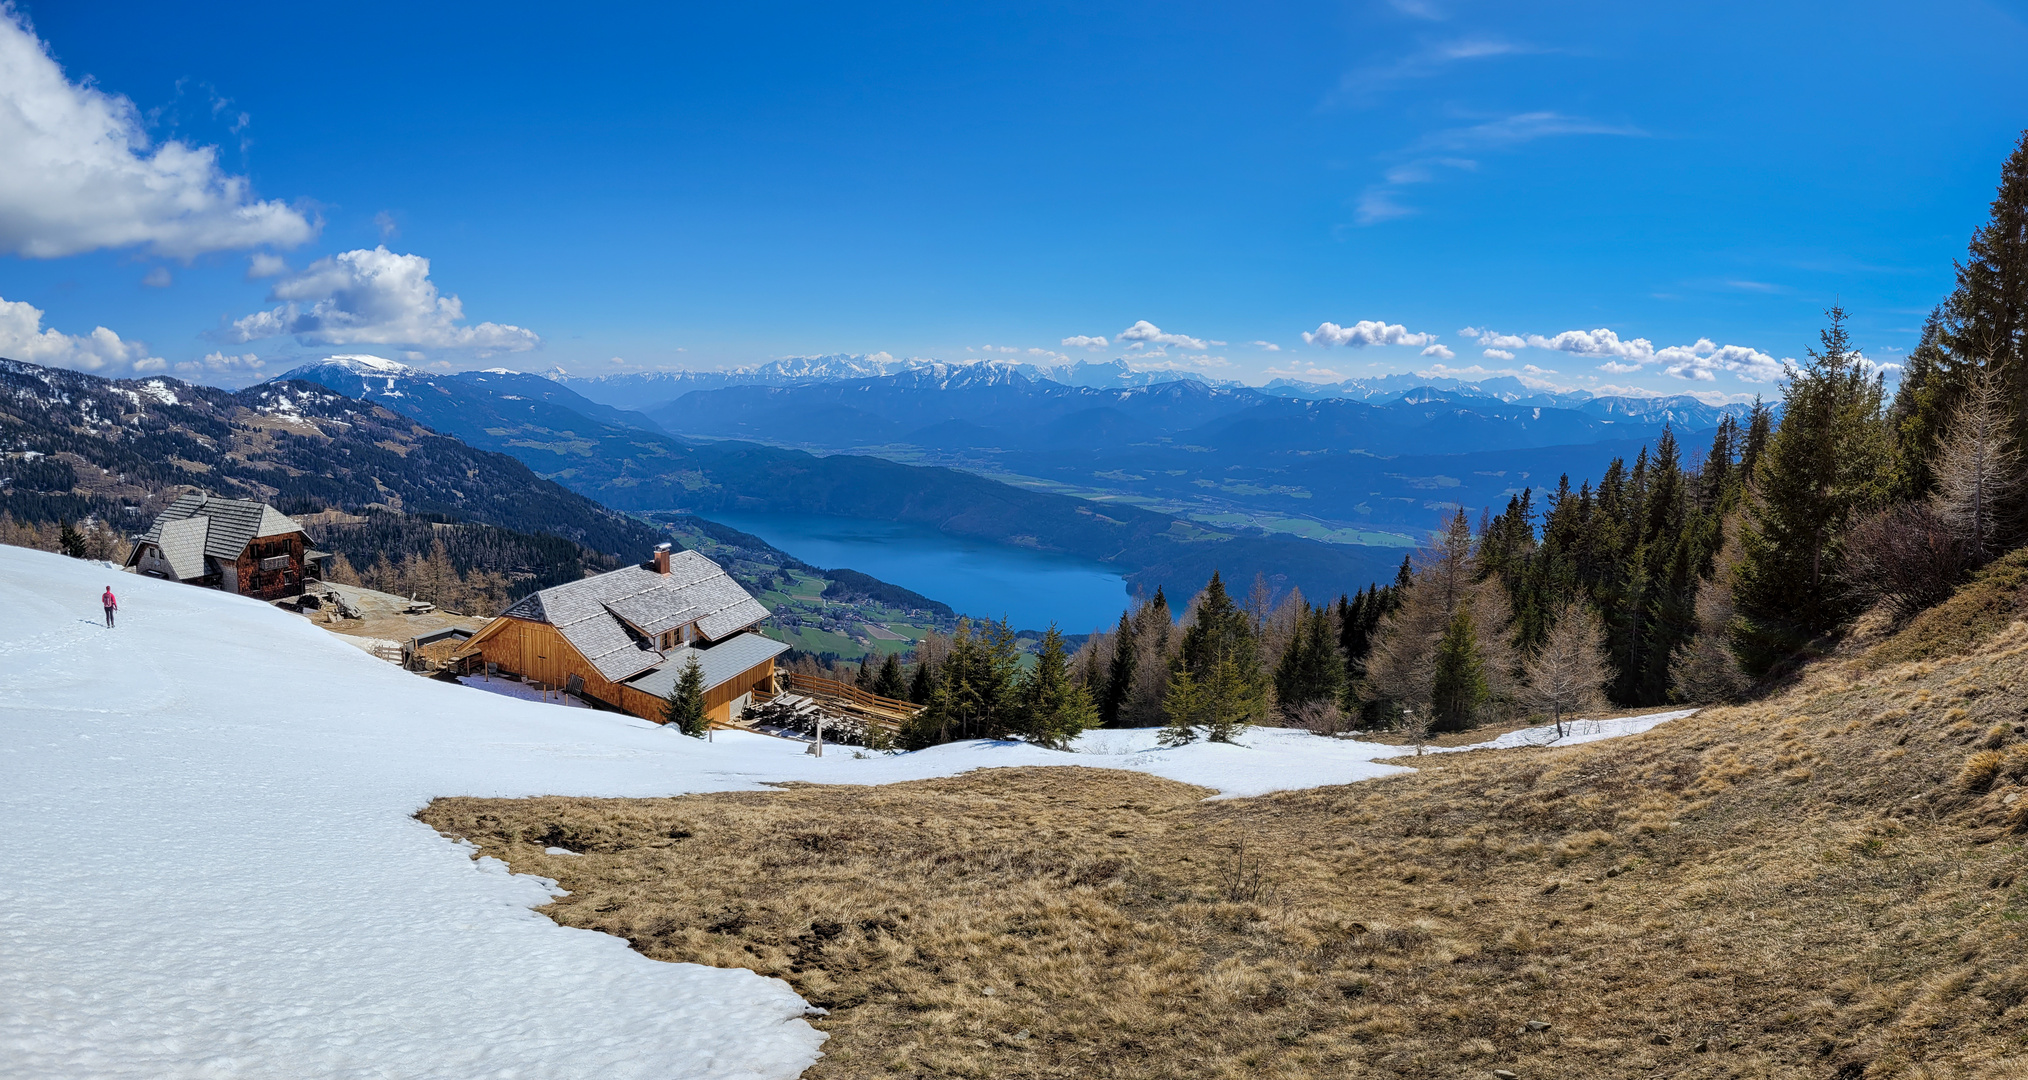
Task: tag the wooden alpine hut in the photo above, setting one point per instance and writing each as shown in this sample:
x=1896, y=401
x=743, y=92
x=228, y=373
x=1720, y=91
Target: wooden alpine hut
x=622, y=638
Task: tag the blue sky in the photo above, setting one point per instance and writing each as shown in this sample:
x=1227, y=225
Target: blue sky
x=698, y=186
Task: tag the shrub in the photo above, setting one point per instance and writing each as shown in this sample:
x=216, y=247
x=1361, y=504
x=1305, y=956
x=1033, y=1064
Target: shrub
x=1908, y=558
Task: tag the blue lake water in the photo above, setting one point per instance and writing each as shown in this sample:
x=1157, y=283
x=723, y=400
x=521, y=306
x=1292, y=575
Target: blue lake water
x=980, y=579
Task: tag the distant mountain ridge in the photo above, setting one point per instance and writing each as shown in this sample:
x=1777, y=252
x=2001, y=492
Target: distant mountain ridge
x=556, y=432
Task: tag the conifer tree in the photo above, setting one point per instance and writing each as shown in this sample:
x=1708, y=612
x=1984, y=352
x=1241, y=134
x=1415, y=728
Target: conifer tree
x=1052, y=709
x=1977, y=469
x=1119, y=673
x=889, y=683
x=685, y=710
x=1458, y=688
x=1219, y=668
x=1929, y=386
x=863, y=679
x=921, y=682
x=1569, y=671
x=1825, y=463
x=70, y=541
x=1986, y=317
x=1311, y=670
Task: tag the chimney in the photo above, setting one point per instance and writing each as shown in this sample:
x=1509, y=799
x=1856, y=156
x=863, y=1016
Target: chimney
x=661, y=558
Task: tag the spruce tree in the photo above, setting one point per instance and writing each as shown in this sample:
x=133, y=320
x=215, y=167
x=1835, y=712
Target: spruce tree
x=889, y=683
x=1119, y=673
x=1458, y=690
x=685, y=710
x=1311, y=669
x=921, y=682
x=1824, y=464
x=1930, y=382
x=1986, y=318
x=1052, y=709
x=70, y=541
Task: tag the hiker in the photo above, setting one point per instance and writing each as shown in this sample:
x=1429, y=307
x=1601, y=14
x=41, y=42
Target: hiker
x=111, y=604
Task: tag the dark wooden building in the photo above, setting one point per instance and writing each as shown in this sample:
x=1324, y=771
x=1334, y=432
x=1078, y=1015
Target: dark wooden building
x=237, y=545
x=623, y=638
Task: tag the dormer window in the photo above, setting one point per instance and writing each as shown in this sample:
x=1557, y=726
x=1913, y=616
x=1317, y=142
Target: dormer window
x=668, y=640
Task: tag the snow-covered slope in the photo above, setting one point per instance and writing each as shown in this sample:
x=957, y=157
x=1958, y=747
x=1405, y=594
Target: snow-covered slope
x=211, y=867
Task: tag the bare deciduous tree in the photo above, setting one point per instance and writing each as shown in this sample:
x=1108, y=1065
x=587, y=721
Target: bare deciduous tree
x=1978, y=471
x=1569, y=671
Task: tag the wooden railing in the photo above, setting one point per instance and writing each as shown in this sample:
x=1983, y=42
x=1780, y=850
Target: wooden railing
x=883, y=708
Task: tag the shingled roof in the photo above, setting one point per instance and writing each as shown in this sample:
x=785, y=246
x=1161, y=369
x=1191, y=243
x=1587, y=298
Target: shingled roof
x=613, y=619
x=197, y=525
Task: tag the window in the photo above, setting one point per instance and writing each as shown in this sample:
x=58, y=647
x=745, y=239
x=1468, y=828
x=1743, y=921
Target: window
x=275, y=562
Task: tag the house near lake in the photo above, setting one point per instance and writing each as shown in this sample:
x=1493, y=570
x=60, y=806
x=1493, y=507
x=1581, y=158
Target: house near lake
x=623, y=638
x=236, y=545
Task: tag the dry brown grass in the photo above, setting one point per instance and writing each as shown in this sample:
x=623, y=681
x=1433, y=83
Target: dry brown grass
x=1815, y=886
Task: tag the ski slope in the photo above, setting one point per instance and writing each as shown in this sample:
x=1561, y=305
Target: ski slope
x=213, y=871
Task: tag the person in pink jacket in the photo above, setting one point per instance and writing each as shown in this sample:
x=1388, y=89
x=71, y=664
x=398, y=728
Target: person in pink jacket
x=111, y=604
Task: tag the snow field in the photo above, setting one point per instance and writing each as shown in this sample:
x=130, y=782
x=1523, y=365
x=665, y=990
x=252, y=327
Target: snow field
x=214, y=872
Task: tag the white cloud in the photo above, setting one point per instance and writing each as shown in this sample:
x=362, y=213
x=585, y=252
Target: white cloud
x=374, y=297
x=1596, y=343
x=1469, y=331
x=158, y=278
x=1700, y=361
x=1306, y=373
x=81, y=174
x=1497, y=354
x=1533, y=370
x=1364, y=333
x=1085, y=341
x=1144, y=333
x=265, y=265
x=1047, y=354
x=1493, y=340
x=218, y=363
x=100, y=352
x=1005, y=349
x=1441, y=352
x=1378, y=204
x=1266, y=346
x=1520, y=128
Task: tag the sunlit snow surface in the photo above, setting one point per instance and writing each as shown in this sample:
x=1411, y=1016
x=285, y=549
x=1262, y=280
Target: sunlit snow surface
x=212, y=869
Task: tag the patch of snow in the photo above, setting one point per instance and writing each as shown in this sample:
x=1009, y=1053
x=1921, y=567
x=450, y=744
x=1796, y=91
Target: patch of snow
x=159, y=390
x=1574, y=732
x=216, y=869
x=557, y=851
x=365, y=364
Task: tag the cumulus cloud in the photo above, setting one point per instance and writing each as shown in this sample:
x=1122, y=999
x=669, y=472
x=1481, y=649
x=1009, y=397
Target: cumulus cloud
x=100, y=352
x=82, y=174
x=264, y=264
x=1441, y=352
x=1364, y=333
x=1266, y=346
x=374, y=297
x=1494, y=340
x=1497, y=354
x=1700, y=361
x=1085, y=341
x=1144, y=333
x=218, y=363
x=1596, y=343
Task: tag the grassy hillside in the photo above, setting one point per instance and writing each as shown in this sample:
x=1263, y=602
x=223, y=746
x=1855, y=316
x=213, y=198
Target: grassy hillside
x=1825, y=884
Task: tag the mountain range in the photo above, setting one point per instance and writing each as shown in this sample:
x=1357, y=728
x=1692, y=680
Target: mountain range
x=616, y=457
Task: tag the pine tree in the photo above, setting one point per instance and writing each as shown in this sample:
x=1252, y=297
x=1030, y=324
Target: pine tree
x=1569, y=671
x=864, y=678
x=1311, y=670
x=685, y=710
x=1930, y=383
x=1825, y=463
x=921, y=682
x=1458, y=686
x=1220, y=653
x=1052, y=709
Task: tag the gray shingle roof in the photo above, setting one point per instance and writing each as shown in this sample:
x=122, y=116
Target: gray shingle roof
x=721, y=662
x=232, y=523
x=182, y=544
x=612, y=618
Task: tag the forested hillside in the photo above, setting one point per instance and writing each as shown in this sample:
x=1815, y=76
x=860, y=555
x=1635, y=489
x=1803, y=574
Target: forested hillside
x=639, y=471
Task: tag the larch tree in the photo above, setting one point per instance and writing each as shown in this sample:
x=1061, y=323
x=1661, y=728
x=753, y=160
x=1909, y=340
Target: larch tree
x=1977, y=468
x=1568, y=671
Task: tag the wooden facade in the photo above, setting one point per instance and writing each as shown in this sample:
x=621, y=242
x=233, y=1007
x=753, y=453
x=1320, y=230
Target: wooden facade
x=536, y=651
